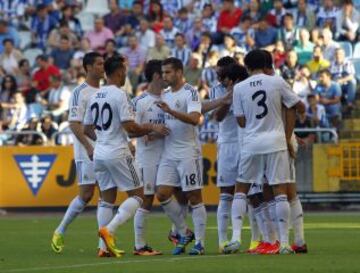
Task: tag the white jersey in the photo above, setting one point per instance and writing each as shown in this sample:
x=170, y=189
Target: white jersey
x=182, y=142
x=228, y=127
x=259, y=99
x=146, y=111
x=78, y=104
x=108, y=109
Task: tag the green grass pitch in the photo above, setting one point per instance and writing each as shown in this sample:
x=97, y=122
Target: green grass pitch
x=333, y=240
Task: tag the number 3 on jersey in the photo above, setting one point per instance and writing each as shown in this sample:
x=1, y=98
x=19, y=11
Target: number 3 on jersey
x=104, y=113
x=261, y=103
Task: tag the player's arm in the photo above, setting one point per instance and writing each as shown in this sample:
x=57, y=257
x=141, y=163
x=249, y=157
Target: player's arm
x=78, y=130
x=241, y=121
x=238, y=108
x=137, y=130
x=290, y=119
x=290, y=99
x=192, y=118
x=89, y=131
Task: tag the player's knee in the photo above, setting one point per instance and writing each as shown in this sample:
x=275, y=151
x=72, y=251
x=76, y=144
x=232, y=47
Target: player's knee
x=147, y=202
x=86, y=196
x=194, y=197
x=162, y=196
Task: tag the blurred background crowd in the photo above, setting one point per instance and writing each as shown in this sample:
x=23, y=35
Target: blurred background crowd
x=315, y=46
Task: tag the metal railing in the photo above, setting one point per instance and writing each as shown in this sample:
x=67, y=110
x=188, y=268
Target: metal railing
x=25, y=133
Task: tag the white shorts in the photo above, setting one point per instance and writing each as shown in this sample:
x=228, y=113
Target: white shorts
x=184, y=173
x=292, y=171
x=148, y=177
x=121, y=173
x=227, y=164
x=274, y=166
x=85, y=172
x=255, y=188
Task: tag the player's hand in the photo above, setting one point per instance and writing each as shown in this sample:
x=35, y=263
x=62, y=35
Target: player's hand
x=228, y=98
x=163, y=106
x=291, y=150
x=161, y=129
x=90, y=152
x=131, y=148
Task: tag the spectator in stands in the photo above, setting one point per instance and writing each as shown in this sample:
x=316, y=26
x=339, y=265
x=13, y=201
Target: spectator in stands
x=183, y=23
x=244, y=34
x=136, y=14
x=303, y=47
x=169, y=32
x=23, y=77
x=10, y=57
x=288, y=33
x=145, y=34
x=62, y=30
x=42, y=76
x=41, y=26
x=99, y=35
x=316, y=112
x=8, y=32
x=136, y=57
x=317, y=62
x=58, y=101
x=160, y=51
x=208, y=75
x=279, y=54
x=181, y=51
x=316, y=37
x=329, y=93
x=265, y=35
x=303, y=85
x=110, y=49
x=193, y=37
x=291, y=67
x=156, y=15
x=304, y=138
x=326, y=16
x=62, y=56
x=276, y=15
x=115, y=20
x=254, y=11
x=329, y=45
x=80, y=53
x=304, y=17
x=18, y=115
x=12, y=11
x=347, y=22
x=48, y=127
x=205, y=47
x=73, y=22
x=343, y=72
x=209, y=19
x=30, y=139
x=8, y=88
x=193, y=71
x=230, y=47
x=229, y=17
x=289, y=4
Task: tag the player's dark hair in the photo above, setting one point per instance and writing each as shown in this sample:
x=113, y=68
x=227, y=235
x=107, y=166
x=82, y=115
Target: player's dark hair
x=152, y=67
x=268, y=59
x=225, y=61
x=234, y=72
x=89, y=59
x=114, y=63
x=255, y=59
x=175, y=63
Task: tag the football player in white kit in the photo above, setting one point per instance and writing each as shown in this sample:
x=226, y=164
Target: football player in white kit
x=148, y=151
x=93, y=64
x=227, y=145
x=180, y=164
x=258, y=106
x=109, y=118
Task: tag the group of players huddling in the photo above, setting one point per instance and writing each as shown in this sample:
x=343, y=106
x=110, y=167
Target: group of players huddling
x=256, y=111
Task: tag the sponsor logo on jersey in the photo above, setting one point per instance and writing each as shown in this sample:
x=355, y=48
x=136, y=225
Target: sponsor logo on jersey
x=35, y=168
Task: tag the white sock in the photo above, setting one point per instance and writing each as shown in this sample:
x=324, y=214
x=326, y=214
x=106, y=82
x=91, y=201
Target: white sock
x=76, y=206
x=223, y=216
x=238, y=211
x=282, y=214
x=199, y=219
x=140, y=227
x=255, y=232
x=297, y=221
x=184, y=212
x=104, y=214
x=262, y=223
x=173, y=211
x=126, y=210
x=272, y=213
x=271, y=229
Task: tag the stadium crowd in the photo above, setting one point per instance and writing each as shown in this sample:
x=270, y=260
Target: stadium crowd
x=315, y=46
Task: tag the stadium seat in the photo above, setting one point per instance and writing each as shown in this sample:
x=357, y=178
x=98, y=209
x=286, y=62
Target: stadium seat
x=356, y=63
x=86, y=20
x=347, y=46
x=25, y=39
x=31, y=55
x=356, y=54
x=97, y=7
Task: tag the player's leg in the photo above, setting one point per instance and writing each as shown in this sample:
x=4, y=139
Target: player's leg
x=223, y=214
x=268, y=212
x=278, y=175
x=254, y=228
x=148, y=175
x=86, y=178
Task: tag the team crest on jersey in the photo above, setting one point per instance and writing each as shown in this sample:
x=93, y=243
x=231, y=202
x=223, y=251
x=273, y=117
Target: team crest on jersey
x=177, y=104
x=35, y=168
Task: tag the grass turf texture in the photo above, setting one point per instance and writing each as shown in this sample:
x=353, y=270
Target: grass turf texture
x=333, y=240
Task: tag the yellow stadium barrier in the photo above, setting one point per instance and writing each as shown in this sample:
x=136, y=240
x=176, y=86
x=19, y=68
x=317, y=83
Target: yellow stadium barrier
x=45, y=176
